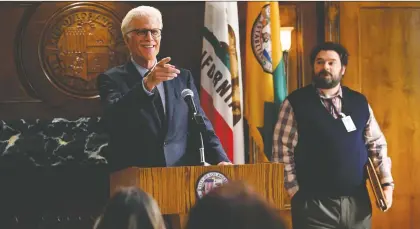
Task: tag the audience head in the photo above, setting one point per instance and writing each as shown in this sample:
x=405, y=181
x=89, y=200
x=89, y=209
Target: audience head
x=131, y=208
x=233, y=206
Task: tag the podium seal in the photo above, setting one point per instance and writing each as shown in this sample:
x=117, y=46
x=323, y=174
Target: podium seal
x=208, y=181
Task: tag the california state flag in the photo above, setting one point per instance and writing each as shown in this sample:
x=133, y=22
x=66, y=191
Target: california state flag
x=221, y=80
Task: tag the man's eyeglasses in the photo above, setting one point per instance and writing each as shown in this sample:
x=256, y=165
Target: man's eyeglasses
x=156, y=33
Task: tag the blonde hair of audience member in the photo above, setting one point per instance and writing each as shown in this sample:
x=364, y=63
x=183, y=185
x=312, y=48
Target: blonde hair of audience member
x=138, y=12
x=233, y=206
x=131, y=208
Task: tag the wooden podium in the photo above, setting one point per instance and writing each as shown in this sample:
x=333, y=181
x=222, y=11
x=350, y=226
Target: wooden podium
x=175, y=188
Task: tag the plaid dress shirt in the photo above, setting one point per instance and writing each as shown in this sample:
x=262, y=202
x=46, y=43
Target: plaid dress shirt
x=285, y=139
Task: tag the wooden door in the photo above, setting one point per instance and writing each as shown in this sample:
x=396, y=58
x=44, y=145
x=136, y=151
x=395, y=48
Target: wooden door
x=383, y=39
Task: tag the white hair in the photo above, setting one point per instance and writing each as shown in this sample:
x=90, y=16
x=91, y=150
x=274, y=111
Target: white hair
x=138, y=12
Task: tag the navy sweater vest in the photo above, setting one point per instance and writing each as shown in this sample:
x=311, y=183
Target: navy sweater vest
x=329, y=160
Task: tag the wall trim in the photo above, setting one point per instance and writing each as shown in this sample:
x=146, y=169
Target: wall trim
x=332, y=21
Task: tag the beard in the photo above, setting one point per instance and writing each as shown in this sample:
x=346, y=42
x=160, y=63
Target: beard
x=326, y=80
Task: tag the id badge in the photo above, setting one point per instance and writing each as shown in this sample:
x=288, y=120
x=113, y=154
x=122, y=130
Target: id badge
x=348, y=123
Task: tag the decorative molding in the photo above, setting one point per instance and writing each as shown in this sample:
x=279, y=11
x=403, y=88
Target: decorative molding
x=21, y=28
x=292, y=14
x=300, y=46
x=332, y=21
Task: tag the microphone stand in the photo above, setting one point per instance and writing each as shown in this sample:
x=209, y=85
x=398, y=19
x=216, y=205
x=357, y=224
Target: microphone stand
x=200, y=127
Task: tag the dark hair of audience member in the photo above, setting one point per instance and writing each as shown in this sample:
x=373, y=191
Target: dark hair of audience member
x=130, y=208
x=233, y=206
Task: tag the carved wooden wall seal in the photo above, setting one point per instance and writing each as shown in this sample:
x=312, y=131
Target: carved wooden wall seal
x=64, y=46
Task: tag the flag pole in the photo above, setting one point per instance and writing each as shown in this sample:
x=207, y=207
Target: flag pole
x=286, y=67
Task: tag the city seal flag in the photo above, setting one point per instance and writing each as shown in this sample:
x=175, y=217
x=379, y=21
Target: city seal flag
x=265, y=80
x=221, y=80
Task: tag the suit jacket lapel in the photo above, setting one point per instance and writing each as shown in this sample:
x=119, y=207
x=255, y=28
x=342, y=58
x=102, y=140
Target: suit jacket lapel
x=171, y=95
x=134, y=77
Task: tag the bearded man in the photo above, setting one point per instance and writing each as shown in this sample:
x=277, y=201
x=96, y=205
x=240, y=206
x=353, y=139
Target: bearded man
x=324, y=136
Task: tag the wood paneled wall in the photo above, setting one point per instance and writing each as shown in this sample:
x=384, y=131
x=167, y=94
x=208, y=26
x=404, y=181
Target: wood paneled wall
x=382, y=38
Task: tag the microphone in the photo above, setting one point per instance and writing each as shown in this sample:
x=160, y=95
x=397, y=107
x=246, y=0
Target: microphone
x=188, y=97
x=200, y=127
